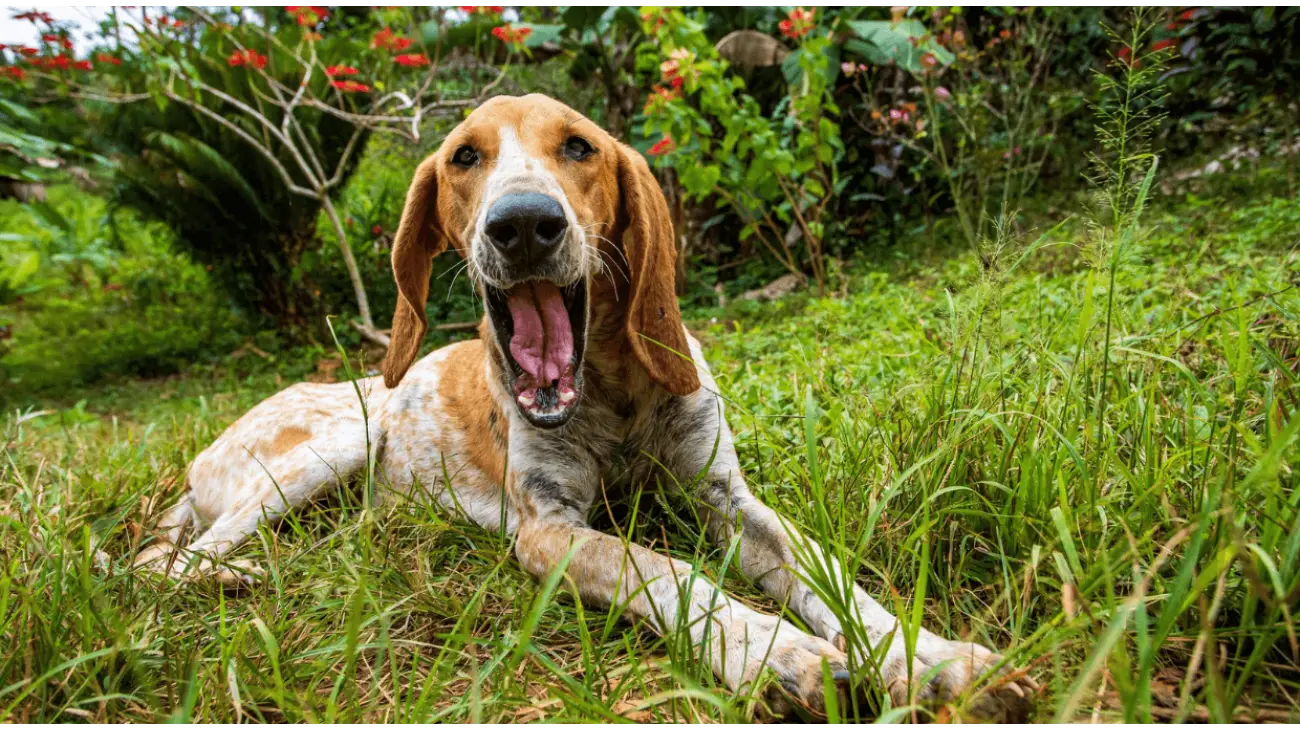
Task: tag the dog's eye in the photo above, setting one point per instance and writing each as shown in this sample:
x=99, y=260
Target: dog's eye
x=466, y=156
x=578, y=149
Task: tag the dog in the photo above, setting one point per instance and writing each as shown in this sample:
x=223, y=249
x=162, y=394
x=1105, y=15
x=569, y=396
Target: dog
x=583, y=376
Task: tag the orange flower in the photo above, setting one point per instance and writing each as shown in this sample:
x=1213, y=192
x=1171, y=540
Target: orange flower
x=349, y=85
x=798, y=23
x=341, y=71
x=663, y=146
x=308, y=14
x=387, y=40
x=312, y=36
x=511, y=35
x=659, y=97
x=106, y=58
x=411, y=60
x=247, y=58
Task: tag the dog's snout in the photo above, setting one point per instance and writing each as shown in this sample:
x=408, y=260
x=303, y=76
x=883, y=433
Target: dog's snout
x=526, y=226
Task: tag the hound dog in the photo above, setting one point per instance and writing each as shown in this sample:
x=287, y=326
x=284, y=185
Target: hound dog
x=583, y=376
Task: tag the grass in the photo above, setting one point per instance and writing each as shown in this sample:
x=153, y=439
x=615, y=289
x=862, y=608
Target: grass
x=1134, y=540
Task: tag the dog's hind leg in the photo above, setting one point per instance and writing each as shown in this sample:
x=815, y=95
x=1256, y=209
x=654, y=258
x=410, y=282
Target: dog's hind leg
x=280, y=456
x=169, y=530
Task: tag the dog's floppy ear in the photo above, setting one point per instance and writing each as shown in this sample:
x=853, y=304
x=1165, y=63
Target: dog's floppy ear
x=654, y=324
x=418, y=240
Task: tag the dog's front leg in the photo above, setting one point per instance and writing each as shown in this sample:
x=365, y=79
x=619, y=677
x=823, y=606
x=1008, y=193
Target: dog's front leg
x=666, y=593
x=695, y=440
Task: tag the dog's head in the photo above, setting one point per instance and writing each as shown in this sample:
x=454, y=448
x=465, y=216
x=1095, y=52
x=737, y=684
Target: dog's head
x=525, y=188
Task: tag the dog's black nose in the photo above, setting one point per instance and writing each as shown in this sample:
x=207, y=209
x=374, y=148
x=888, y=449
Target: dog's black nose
x=526, y=227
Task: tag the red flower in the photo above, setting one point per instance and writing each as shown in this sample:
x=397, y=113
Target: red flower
x=798, y=23
x=387, y=40
x=349, y=85
x=35, y=15
x=677, y=82
x=1162, y=45
x=663, y=147
x=29, y=51
x=412, y=59
x=51, y=37
x=483, y=9
x=1174, y=26
x=1187, y=14
x=1005, y=34
x=511, y=35
x=13, y=72
x=660, y=97
x=378, y=229
x=106, y=58
x=308, y=14
x=247, y=58
x=82, y=65
x=341, y=71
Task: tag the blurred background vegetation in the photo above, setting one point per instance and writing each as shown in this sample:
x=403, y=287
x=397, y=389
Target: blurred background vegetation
x=140, y=237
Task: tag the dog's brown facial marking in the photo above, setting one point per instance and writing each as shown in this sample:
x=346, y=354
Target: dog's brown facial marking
x=526, y=189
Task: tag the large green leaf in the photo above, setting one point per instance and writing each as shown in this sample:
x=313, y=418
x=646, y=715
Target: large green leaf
x=542, y=33
x=883, y=43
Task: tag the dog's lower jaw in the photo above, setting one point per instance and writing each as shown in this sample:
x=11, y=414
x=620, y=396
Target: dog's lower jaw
x=539, y=333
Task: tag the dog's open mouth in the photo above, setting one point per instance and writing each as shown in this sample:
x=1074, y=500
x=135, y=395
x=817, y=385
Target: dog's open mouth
x=542, y=331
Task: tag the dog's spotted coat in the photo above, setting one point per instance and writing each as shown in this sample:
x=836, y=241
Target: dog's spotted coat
x=648, y=402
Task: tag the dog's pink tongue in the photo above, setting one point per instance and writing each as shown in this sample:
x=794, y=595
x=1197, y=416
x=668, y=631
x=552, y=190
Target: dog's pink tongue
x=543, y=340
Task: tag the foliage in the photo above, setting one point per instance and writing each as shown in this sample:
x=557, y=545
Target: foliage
x=89, y=293
x=776, y=171
x=1243, y=61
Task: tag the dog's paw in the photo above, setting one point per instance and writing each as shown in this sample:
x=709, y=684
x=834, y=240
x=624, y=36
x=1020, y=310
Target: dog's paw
x=795, y=659
x=238, y=574
x=977, y=678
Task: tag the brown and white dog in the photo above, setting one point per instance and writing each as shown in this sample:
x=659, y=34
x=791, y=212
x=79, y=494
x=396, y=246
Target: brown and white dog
x=583, y=376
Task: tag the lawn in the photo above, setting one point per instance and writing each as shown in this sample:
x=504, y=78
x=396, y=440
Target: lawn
x=1081, y=456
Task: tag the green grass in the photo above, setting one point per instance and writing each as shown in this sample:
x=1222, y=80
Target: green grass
x=1133, y=539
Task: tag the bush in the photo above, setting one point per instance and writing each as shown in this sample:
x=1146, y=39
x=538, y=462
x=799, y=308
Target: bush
x=135, y=307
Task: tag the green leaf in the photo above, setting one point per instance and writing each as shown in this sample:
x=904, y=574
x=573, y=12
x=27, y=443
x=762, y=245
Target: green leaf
x=883, y=43
x=542, y=33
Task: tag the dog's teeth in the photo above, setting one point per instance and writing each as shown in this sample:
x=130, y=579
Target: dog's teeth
x=525, y=400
